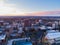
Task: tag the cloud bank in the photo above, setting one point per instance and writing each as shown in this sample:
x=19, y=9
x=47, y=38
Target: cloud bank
x=46, y=13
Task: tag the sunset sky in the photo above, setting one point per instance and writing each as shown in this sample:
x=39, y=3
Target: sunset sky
x=29, y=7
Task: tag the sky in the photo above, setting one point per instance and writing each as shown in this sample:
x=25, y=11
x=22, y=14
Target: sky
x=29, y=7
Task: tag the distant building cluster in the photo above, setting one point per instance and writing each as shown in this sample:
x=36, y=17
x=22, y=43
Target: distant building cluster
x=18, y=27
